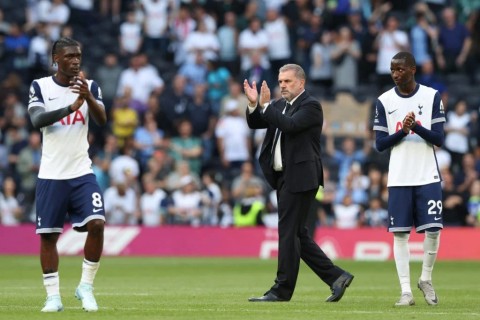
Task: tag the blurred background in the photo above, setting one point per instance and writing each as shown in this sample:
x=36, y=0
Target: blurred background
x=177, y=149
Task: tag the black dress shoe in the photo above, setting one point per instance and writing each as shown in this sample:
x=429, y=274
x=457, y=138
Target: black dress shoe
x=339, y=286
x=268, y=297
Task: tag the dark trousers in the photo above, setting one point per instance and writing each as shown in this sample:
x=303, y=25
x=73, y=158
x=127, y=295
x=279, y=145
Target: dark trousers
x=295, y=242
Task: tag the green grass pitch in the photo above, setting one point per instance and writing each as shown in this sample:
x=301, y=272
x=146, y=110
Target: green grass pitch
x=213, y=288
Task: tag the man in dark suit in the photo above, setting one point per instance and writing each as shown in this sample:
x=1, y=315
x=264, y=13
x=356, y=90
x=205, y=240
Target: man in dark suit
x=290, y=160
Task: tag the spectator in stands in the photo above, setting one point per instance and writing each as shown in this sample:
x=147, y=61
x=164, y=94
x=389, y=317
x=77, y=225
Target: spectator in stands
x=201, y=15
x=455, y=209
x=83, y=14
x=194, y=73
x=389, y=41
x=308, y=31
x=348, y=154
x=120, y=204
x=368, y=61
x=155, y=27
x=11, y=213
x=355, y=185
x=103, y=159
x=234, y=94
x=14, y=112
x=159, y=167
x=172, y=106
x=248, y=211
x=325, y=198
x=321, y=68
x=344, y=56
x=218, y=79
x=124, y=117
x=257, y=72
x=424, y=34
x=227, y=36
x=108, y=75
x=187, y=147
x=16, y=46
x=473, y=217
x=233, y=141
x=245, y=179
x=111, y=7
x=130, y=38
x=28, y=165
x=213, y=192
x=444, y=159
x=124, y=168
x=252, y=40
x=375, y=215
x=150, y=201
x=182, y=169
x=142, y=78
x=455, y=43
x=38, y=52
x=147, y=138
x=279, y=52
x=457, y=129
x=201, y=41
x=347, y=213
x=467, y=174
x=186, y=203
x=55, y=13
x=182, y=25
x=430, y=78
x=203, y=119
x=15, y=140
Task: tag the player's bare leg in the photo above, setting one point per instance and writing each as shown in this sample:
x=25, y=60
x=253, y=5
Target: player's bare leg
x=93, y=251
x=49, y=262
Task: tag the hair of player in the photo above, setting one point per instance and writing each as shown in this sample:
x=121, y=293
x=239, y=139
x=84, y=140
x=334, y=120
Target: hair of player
x=407, y=57
x=63, y=43
x=299, y=73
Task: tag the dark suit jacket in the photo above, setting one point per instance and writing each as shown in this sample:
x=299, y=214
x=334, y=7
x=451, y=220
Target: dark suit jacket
x=301, y=129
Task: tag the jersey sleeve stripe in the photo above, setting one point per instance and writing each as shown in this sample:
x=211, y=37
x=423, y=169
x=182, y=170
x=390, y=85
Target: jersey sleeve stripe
x=380, y=128
x=438, y=120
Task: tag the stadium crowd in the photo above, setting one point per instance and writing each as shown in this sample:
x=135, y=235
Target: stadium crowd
x=177, y=148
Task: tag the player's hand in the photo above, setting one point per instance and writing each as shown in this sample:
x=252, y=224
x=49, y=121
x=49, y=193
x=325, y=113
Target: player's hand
x=80, y=86
x=264, y=94
x=77, y=104
x=251, y=92
x=408, y=122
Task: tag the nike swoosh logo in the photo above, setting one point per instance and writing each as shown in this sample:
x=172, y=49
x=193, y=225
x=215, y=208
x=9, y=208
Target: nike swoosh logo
x=390, y=112
x=437, y=218
x=96, y=210
x=50, y=99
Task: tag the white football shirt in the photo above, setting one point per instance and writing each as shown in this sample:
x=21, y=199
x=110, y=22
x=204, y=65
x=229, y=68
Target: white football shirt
x=412, y=161
x=65, y=144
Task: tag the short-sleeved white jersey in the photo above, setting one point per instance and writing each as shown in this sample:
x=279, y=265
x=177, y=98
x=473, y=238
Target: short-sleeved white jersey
x=65, y=144
x=412, y=161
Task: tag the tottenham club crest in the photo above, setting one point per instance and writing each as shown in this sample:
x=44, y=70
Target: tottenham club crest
x=420, y=109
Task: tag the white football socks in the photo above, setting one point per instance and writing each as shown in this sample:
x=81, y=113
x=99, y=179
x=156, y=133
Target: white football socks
x=401, y=254
x=89, y=270
x=51, y=281
x=430, y=249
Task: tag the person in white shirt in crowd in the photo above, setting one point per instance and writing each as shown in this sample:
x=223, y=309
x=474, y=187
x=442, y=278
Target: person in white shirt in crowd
x=253, y=39
x=457, y=131
x=346, y=213
x=213, y=197
x=142, y=77
x=375, y=215
x=389, y=41
x=150, y=201
x=233, y=140
x=120, y=204
x=130, y=38
x=186, y=203
x=11, y=213
x=201, y=41
x=55, y=13
x=182, y=25
x=124, y=168
x=39, y=50
x=156, y=23
x=279, y=51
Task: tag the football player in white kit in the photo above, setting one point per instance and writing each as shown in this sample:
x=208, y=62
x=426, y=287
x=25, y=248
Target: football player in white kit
x=60, y=106
x=409, y=121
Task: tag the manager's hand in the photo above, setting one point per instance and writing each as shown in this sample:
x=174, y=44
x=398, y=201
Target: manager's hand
x=251, y=92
